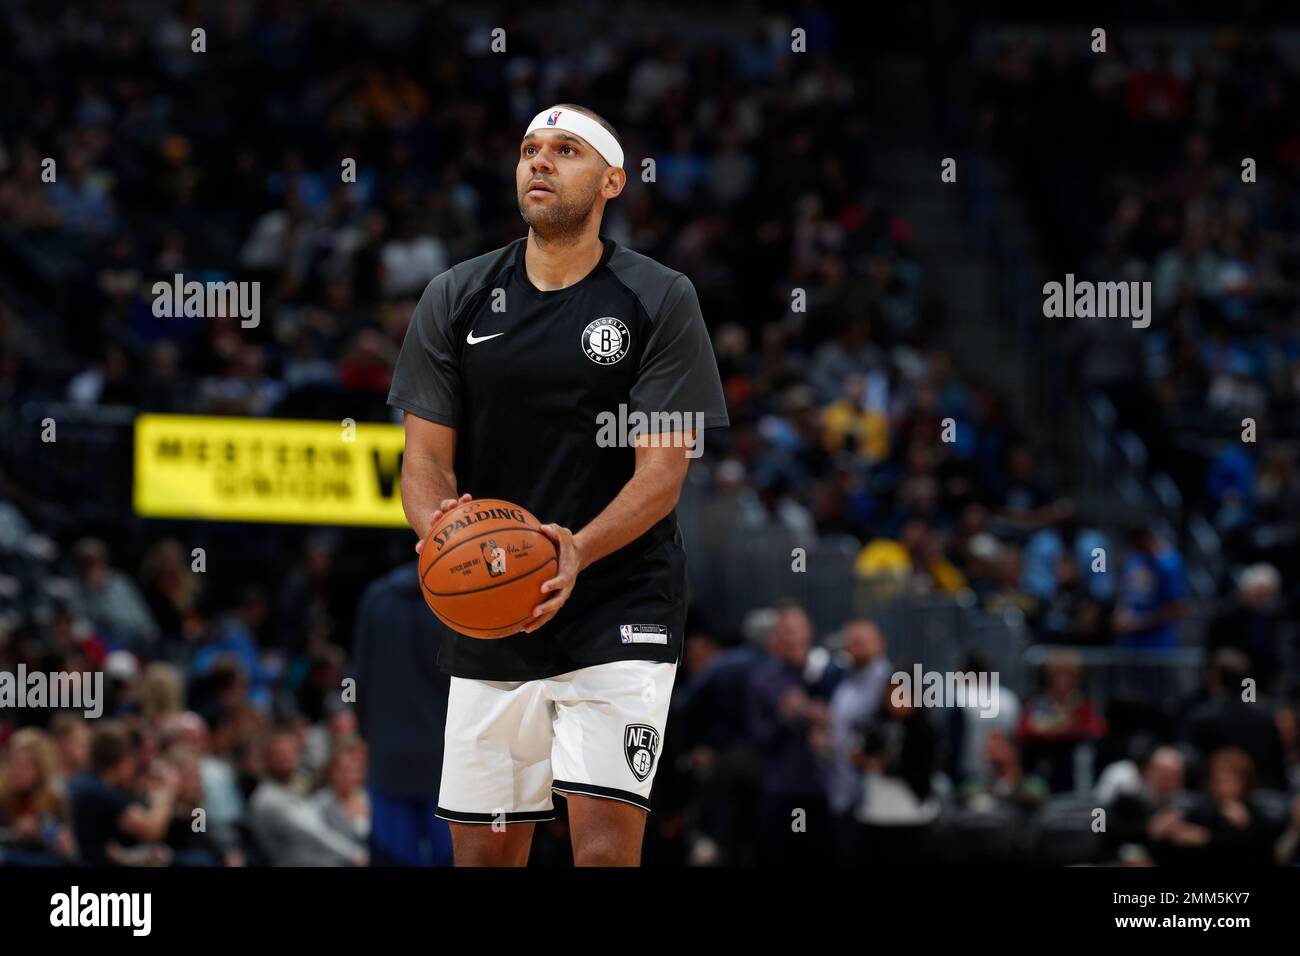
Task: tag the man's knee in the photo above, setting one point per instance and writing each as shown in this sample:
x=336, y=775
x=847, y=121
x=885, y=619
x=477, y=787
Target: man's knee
x=481, y=844
x=606, y=851
x=605, y=832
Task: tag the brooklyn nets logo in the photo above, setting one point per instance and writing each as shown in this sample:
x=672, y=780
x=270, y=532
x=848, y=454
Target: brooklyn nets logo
x=606, y=340
x=640, y=741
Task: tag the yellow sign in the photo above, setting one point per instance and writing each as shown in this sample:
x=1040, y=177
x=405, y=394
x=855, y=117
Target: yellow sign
x=256, y=469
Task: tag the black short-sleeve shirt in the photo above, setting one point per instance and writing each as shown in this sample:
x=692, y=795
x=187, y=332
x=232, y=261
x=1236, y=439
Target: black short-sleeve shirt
x=537, y=384
x=96, y=810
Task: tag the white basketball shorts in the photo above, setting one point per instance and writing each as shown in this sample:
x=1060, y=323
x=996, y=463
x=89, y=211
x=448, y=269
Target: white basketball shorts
x=596, y=731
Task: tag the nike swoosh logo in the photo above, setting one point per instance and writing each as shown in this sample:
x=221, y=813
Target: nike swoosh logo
x=482, y=338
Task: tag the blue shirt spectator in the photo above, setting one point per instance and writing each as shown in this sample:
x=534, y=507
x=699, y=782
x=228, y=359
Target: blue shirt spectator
x=1151, y=596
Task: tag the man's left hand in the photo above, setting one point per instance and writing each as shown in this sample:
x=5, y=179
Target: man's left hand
x=560, y=586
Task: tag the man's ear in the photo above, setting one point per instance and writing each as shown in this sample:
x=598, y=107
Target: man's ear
x=614, y=182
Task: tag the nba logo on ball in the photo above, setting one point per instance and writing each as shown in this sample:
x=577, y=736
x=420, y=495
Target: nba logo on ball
x=494, y=558
x=606, y=340
x=640, y=741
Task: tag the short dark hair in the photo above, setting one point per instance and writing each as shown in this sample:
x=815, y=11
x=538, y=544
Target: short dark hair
x=108, y=748
x=594, y=115
x=788, y=603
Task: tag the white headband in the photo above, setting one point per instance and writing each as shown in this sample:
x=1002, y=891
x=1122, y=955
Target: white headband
x=601, y=140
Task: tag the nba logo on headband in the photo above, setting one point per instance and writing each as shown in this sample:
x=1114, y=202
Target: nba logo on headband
x=600, y=139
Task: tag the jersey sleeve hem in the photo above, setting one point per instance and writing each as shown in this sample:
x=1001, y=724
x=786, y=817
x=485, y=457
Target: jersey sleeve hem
x=423, y=411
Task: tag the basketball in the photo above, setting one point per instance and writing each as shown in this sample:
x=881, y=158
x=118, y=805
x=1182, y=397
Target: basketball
x=482, y=567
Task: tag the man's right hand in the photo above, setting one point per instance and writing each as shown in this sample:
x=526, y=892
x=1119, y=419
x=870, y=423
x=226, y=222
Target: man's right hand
x=447, y=505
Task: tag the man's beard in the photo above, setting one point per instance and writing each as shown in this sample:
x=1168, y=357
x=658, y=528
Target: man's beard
x=561, y=219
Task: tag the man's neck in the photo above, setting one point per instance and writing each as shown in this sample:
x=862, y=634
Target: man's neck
x=558, y=264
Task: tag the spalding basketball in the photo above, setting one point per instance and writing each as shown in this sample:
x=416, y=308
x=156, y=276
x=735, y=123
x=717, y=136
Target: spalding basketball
x=482, y=567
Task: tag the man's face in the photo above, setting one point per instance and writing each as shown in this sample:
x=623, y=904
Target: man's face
x=122, y=774
x=1164, y=774
x=557, y=180
x=76, y=747
x=863, y=642
x=282, y=757
x=792, y=637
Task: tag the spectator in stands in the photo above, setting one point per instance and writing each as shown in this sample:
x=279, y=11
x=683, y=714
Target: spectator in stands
x=1006, y=782
x=171, y=589
x=222, y=796
x=917, y=556
x=290, y=827
x=72, y=738
x=1250, y=624
x=970, y=727
x=1233, y=717
x=33, y=813
x=885, y=563
x=1238, y=830
x=109, y=599
x=1072, y=615
x=1134, y=792
x=213, y=786
x=191, y=844
x=1287, y=719
x=1058, y=721
x=1230, y=487
x=712, y=712
x=1152, y=597
x=243, y=386
x=1007, y=596
x=162, y=694
x=410, y=260
x=1286, y=851
x=780, y=510
x=113, y=825
x=789, y=724
x=1277, y=489
x=929, y=560
x=1064, y=538
x=898, y=753
x=235, y=639
x=81, y=197
x=1025, y=499
x=1156, y=779
x=23, y=199
x=853, y=705
x=852, y=424
x=343, y=801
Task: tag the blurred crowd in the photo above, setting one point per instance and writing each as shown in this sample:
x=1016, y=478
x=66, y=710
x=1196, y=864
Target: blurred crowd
x=791, y=748
x=161, y=786
x=802, y=748
x=224, y=683
x=1175, y=163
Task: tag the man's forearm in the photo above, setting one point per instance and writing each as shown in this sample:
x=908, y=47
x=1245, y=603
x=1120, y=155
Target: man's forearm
x=161, y=804
x=649, y=495
x=425, y=486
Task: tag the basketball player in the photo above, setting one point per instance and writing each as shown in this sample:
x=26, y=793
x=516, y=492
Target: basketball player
x=509, y=360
